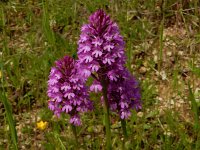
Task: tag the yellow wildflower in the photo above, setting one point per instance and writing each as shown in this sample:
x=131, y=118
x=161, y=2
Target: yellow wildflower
x=0, y=74
x=42, y=125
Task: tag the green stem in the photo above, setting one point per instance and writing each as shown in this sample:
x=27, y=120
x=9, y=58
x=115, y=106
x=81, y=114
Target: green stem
x=161, y=29
x=75, y=134
x=123, y=123
x=107, y=117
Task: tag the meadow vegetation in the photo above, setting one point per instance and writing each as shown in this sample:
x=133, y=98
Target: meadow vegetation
x=163, y=51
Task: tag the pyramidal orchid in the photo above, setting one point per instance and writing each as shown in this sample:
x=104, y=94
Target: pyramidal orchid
x=101, y=47
x=101, y=55
x=124, y=94
x=67, y=90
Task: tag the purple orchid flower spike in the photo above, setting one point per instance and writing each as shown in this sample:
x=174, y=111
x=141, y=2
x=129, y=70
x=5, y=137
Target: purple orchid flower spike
x=101, y=47
x=124, y=95
x=67, y=90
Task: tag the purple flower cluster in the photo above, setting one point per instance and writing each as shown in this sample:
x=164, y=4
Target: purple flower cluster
x=124, y=95
x=101, y=54
x=67, y=90
x=101, y=47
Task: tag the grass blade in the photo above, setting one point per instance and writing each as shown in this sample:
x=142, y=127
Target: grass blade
x=3, y=97
x=194, y=108
x=9, y=115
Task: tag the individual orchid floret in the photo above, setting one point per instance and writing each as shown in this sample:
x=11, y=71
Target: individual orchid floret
x=96, y=87
x=67, y=90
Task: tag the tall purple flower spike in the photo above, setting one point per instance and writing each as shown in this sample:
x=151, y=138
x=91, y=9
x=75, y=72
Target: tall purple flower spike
x=67, y=90
x=101, y=47
x=101, y=54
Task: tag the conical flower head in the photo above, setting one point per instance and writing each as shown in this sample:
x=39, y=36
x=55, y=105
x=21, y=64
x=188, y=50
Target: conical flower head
x=101, y=47
x=67, y=90
x=124, y=95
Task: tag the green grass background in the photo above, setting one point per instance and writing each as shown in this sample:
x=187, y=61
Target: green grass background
x=33, y=34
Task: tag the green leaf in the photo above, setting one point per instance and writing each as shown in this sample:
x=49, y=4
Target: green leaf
x=9, y=115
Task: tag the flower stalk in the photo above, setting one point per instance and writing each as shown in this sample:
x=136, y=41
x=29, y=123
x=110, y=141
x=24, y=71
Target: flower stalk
x=74, y=133
x=107, y=115
x=123, y=124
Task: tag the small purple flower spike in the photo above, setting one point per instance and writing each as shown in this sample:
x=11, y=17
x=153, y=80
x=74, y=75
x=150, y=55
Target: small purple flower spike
x=124, y=95
x=67, y=90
